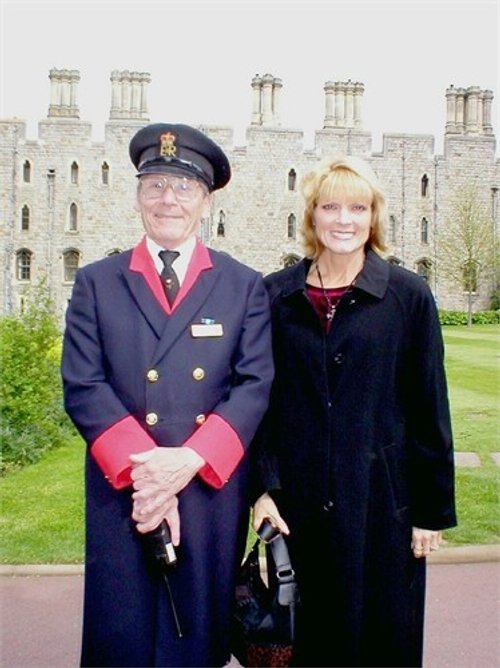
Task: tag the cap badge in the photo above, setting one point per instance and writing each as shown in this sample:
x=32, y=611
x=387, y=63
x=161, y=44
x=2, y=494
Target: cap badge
x=167, y=145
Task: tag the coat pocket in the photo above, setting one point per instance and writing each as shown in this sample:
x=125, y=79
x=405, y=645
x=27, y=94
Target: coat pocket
x=396, y=469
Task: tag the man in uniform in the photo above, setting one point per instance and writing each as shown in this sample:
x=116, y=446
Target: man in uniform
x=167, y=369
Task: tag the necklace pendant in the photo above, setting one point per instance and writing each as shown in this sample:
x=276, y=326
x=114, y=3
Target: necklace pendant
x=330, y=314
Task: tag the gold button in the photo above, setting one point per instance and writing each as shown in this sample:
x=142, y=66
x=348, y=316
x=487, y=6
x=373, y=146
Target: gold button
x=152, y=375
x=151, y=419
x=200, y=419
x=198, y=373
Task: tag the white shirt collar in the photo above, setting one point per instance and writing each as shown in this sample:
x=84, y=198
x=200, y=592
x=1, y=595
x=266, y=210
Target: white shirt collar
x=181, y=263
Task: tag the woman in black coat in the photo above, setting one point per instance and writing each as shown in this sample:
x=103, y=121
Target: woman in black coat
x=355, y=455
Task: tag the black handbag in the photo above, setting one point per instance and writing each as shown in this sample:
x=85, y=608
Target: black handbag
x=264, y=614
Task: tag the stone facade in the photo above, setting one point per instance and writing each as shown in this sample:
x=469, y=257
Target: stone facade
x=67, y=200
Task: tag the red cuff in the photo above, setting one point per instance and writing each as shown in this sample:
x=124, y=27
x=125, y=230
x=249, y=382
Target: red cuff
x=220, y=446
x=114, y=446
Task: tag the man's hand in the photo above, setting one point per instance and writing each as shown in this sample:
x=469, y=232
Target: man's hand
x=158, y=475
x=165, y=470
x=168, y=510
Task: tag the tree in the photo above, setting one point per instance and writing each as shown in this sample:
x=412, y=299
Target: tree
x=466, y=245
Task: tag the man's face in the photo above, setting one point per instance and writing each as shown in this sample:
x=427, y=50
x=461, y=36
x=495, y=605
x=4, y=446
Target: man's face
x=171, y=207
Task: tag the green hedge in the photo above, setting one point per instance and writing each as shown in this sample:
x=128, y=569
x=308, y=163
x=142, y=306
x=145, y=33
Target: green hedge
x=33, y=418
x=460, y=317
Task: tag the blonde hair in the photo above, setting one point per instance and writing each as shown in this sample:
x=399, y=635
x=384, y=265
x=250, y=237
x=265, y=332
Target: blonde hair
x=340, y=177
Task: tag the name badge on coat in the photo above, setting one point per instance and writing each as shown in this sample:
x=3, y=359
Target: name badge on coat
x=206, y=328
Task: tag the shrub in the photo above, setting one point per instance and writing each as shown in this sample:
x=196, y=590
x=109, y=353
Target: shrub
x=486, y=317
x=478, y=318
x=33, y=417
x=452, y=317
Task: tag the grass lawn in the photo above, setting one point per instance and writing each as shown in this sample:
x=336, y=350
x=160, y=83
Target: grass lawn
x=42, y=504
x=42, y=509
x=473, y=369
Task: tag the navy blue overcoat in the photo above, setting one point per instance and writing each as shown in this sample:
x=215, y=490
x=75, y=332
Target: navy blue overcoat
x=116, y=333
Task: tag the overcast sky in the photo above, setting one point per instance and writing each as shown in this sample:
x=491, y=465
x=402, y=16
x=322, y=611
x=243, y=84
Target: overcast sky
x=202, y=57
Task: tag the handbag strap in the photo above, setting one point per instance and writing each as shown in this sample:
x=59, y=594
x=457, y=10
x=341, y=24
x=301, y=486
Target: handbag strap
x=285, y=575
x=287, y=590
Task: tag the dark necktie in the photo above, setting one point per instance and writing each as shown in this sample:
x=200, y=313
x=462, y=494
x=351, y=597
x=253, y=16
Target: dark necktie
x=169, y=278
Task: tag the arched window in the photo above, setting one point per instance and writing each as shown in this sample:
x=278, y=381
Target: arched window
x=105, y=173
x=73, y=218
x=470, y=273
x=74, y=173
x=292, y=226
x=113, y=251
x=424, y=185
x=290, y=260
x=221, y=225
x=25, y=218
x=424, y=231
x=392, y=229
x=27, y=171
x=71, y=260
x=394, y=260
x=23, y=264
x=292, y=179
x=424, y=268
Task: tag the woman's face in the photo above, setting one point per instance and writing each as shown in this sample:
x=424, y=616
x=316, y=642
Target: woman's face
x=342, y=224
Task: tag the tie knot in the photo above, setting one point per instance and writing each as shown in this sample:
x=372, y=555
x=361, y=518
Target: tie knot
x=168, y=256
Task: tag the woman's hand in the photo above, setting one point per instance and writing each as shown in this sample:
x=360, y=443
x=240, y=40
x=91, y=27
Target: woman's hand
x=265, y=507
x=425, y=541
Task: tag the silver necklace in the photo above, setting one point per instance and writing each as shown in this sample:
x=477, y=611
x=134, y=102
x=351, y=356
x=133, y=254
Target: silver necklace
x=330, y=306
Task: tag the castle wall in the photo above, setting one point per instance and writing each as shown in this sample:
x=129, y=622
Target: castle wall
x=254, y=209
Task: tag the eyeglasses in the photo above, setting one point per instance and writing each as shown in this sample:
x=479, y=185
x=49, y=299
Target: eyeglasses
x=184, y=189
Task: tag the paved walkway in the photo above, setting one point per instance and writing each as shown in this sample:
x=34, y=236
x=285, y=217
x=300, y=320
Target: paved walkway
x=473, y=460
x=41, y=612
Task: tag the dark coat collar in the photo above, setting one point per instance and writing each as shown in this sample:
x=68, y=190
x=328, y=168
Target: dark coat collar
x=373, y=278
